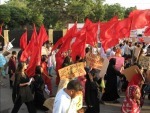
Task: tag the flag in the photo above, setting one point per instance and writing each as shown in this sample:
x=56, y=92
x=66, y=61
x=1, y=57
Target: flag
x=91, y=32
x=23, y=41
x=42, y=37
x=122, y=28
x=34, y=61
x=30, y=47
x=140, y=18
x=35, y=58
x=147, y=31
x=68, y=39
x=78, y=48
x=108, y=34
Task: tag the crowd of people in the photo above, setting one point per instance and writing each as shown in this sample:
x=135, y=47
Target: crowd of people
x=31, y=90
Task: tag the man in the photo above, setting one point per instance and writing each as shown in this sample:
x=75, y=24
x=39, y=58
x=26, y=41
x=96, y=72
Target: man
x=112, y=53
x=64, y=102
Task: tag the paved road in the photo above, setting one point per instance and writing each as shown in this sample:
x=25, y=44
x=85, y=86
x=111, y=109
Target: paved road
x=6, y=103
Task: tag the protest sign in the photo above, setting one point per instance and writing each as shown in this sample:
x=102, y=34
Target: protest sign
x=6, y=53
x=137, y=52
x=79, y=101
x=104, y=68
x=94, y=61
x=144, y=61
x=72, y=71
x=49, y=103
x=119, y=62
x=63, y=84
x=146, y=39
x=130, y=72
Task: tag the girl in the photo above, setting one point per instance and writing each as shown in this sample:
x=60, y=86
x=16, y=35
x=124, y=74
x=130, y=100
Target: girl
x=131, y=103
x=21, y=90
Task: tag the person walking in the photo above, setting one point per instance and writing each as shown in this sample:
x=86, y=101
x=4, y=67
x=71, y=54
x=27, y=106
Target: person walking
x=21, y=90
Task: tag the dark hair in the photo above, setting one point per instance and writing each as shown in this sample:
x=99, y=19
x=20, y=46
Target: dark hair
x=20, y=66
x=74, y=85
x=77, y=58
x=93, y=72
x=112, y=61
x=43, y=58
x=87, y=49
x=67, y=60
x=14, y=52
x=38, y=70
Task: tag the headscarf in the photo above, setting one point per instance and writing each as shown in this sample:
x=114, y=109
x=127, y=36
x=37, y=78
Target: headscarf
x=112, y=62
x=129, y=104
x=118, y=53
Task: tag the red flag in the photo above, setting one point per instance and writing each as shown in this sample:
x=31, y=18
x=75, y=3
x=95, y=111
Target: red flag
x=91, y=30
x=34, y=61
x=30, y=47
x=140, y=18
x=42, y=37
x=147, y=31
x=78, y=48
x=108, y=34
x=23, y=41
x=123, y=28
x=68, y=39
x=36, y=53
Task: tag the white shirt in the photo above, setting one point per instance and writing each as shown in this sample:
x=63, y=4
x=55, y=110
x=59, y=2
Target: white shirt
x=63, y=103
x=112, y=53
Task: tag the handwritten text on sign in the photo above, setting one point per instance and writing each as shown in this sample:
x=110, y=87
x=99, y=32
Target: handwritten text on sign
x=72, y=71
x=94, y=61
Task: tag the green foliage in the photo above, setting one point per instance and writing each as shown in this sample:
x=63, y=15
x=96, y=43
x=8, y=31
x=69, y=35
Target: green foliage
x=113, y=10
x=128, y=10
x=4, y=14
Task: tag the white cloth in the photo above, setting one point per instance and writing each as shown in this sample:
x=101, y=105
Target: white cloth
x=112, y=53
x=127, y=49
x=63, y=103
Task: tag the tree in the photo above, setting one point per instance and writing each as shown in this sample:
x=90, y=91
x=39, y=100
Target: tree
x=113, y=10
x=128, y=10
x=4, y=14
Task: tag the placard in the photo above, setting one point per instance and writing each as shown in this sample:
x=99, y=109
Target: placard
x=119, y=62
x=130, y=72
x=137, y=52
x=72, y=71
x=49, y=103
x=6, y=53
x=146, y=39
x=144, y=61
x=94, y=61
x=104, y=68
x=79, y=101
x=63, y=84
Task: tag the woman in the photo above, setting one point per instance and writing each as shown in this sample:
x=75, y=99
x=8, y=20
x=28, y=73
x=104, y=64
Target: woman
x=131, y=103
x=21, y=90
x=67, y=61
x=39, y=88
x=45, y=75
x=92, y=92
x=111, y=93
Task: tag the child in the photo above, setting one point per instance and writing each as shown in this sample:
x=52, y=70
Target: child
x=131, y=103
x=12, y=67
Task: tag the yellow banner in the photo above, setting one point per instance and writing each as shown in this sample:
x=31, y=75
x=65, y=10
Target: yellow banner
x=94, y=61
x=72, y=71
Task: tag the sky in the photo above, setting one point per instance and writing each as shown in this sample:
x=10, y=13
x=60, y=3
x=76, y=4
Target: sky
x=140, y=4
